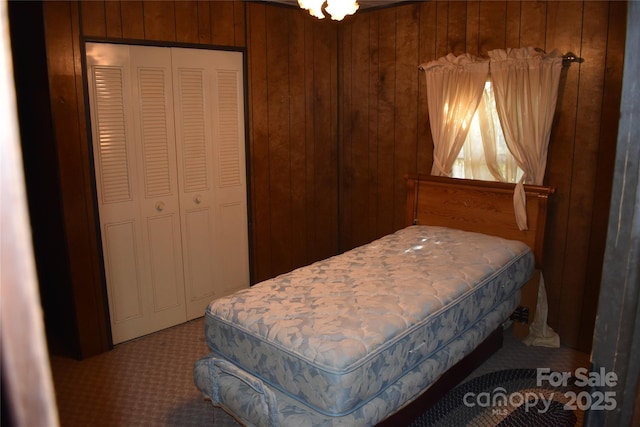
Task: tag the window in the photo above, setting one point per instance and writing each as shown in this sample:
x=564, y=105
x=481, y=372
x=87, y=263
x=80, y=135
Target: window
x=485, y=136
x=526, y=84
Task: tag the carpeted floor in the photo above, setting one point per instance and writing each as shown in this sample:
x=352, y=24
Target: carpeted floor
x=148, y=381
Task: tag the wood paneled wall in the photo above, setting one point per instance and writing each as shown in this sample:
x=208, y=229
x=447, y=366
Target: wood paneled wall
x=385, y=128
x=293, y=127
x=218, y=23
x=292, y=124
x=337, y=115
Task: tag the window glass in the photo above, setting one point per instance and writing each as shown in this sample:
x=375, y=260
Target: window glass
x=472, y=162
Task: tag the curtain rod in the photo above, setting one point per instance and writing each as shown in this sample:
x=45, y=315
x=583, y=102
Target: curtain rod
x=570, y=57
x=567, y=58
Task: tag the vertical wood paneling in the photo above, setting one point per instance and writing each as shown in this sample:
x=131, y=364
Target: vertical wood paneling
x=41, y=174
x=204, y=22
x=222, y=23
x=325, y=138
x=577, y=167
x=442, y=29
x=588, y=112
x=386, y=101
x=406, y=108
x=187, y=22
x=457, y=27
x=132, y=19
x=427, y=52
x=259, y=147
x=293, y=92
x=62, y=37
x=345, y=133
x=369, y=68
x=299, y=73
x=560, y=167
x=493, y=23
x=473, y=25
x=533, y=23
x=93, y=18
x=363, y=68
x=238, y=23
x=297, y=102
x=612, y=76
x=87, y=174
x=310, y=177
x=65, y=23
x=277, y=26
x=113, y=19
x=159, y=20
x=512, y=36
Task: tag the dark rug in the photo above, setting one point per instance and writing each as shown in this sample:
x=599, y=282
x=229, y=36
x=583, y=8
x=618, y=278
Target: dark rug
x=505, y=398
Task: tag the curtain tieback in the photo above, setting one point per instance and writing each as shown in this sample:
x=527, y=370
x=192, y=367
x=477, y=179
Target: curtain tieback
x=440, y=167
x=520, y=204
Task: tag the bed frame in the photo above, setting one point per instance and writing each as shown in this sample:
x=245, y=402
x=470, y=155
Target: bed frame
x=477, y=206
x=481, y=206
x=484, y=207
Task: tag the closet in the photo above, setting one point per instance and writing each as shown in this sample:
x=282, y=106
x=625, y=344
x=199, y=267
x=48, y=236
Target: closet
x=168, y=143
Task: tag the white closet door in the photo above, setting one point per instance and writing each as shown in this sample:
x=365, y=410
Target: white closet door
x=211, y=167
x=130, y=93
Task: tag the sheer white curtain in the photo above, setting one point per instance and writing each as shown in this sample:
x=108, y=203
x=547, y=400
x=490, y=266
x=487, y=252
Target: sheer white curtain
x=486, y=165
x=525, y=83
x=486, y=156
x=526, y=90
x=454, y=90
x=525, y=86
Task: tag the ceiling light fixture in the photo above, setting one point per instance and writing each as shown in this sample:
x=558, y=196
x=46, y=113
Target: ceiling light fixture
x=338, y=9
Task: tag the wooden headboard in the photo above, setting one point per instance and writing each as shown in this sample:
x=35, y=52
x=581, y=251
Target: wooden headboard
x=480, y=206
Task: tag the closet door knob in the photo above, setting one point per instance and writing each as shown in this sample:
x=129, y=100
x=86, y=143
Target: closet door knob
x=197, y=199
x=160, y=206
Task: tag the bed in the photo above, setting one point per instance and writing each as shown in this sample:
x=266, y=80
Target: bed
x=373, y=335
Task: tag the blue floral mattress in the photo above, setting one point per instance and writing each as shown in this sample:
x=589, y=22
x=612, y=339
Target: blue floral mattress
x=338, y=334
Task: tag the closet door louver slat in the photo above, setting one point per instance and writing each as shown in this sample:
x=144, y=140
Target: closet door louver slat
x=112, y=148
x=153, y=116
x=192, y=117
x=229, y=160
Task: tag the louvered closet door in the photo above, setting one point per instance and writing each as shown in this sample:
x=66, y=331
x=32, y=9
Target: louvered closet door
x=168, y=143
x=131, y=104
x=211, y=168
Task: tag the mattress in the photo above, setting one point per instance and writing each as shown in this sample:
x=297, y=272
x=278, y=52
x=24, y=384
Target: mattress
x=254, y=403
x=337, y=333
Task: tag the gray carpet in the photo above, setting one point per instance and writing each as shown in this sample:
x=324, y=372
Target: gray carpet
x=148, y=381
